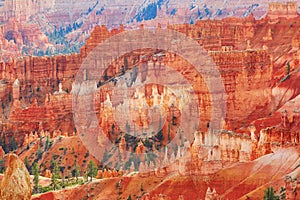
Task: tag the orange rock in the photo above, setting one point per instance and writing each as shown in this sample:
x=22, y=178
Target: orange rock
x=140, y=149
x=286, y=10
x=2, y=153
x=99, y=174
x=48, y=173
x=120, y=172
x=16, y=182
x=114, y=173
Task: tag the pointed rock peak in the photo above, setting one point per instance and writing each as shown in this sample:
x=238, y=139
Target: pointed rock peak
x=208, y=190
x=17, y=82
x=16, y=181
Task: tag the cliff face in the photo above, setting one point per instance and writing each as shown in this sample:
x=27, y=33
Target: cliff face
x=47, y=72
x=54, y=114
x=286, y=10
x=16, y=181
x=247, y=75
x=212, y=35
x=22, y=10
x=39, y=77
x=245, y=63
x=277, y=130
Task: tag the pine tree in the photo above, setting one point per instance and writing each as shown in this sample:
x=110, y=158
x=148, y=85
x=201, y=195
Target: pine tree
x=55, y=176
x=41, y=141
x=13, y=144
x=3, y=106
x=4, y=143
x=2, y=166
x=47, y=145
x=91, y=170
x=52, y=163
x=39, y=153
x=35, y=172
x=113, y=129
x=76, y=171
x=26, y=162
x=270, y=194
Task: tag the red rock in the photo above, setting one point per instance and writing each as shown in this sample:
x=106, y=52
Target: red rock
x=251, y=73
x=2, y=153
x=247, y=63
x=287, y=10
x=48, y=174
x=99, y=174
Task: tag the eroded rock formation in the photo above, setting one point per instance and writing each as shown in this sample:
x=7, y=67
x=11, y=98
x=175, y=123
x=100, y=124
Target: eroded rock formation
x=286, y=10
x=16, y=182
x=39, y=93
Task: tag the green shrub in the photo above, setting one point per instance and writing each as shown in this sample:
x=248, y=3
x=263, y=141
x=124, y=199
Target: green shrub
x=270, y=194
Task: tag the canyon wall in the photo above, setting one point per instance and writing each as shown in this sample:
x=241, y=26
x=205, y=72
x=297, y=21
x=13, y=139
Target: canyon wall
x=37, y=100
x=286, y=10
x=212, y=35
x=21, y=10
x=34, y=100
x=240, y=69
x=247, y=75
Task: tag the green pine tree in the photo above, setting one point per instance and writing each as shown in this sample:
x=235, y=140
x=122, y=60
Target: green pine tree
x=47, y=145
x=270, y=194
x=76, y=171
x=39, y=153
x=52, y=163
x=5, y=148
x=55, y=176
x=41, y=141
x=26, y=162
x=13, y=144
x=35, y=172
x=2, y=166
x=91, y=170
